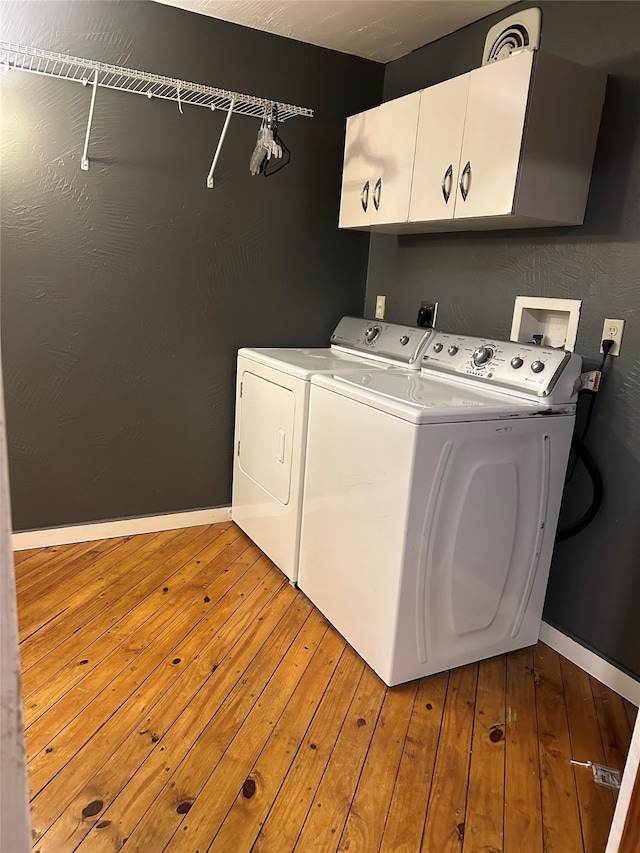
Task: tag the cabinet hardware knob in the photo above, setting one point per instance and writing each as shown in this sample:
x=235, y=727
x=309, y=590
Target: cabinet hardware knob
x=447, y=182
x=465, y=181
x=364, y=197
x=377, y=193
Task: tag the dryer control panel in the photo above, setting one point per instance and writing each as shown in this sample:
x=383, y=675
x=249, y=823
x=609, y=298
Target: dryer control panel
x=401, y=345
x=535, y=371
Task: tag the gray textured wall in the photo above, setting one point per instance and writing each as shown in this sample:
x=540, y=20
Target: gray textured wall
x=128, y=289
x=594, y=589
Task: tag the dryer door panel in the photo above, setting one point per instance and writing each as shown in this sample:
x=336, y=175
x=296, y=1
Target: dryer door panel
x=266, y=434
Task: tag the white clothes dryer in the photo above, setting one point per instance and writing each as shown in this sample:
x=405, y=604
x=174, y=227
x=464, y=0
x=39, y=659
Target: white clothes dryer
x=431, y=502
x=272, y=398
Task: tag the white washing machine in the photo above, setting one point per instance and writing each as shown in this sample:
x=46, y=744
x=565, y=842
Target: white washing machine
x=431, y=502
x=272, y=398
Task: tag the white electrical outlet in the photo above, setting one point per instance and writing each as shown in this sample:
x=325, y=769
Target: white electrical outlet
x=380, y=306
x=612, y=330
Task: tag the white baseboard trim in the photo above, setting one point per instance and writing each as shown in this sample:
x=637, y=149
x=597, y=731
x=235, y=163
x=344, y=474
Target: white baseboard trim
x=592, y=663
x=121, y=527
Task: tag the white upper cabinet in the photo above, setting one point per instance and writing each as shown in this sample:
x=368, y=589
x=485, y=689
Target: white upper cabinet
x=356, y=177
x=493, y=134
x=378, y=164
x=508, y=145
x=438, y=146
x=392, y=152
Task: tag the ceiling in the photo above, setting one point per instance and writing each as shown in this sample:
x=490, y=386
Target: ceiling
x=374, y=29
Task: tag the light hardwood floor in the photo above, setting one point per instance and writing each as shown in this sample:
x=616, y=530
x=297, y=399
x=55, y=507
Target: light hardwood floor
x=180, y=695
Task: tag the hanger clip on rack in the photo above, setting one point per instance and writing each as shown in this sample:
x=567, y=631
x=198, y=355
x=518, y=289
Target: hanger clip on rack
x=85, y=71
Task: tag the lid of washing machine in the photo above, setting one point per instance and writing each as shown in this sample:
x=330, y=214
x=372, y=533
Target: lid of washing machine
x=422, y=399
x=303, y=363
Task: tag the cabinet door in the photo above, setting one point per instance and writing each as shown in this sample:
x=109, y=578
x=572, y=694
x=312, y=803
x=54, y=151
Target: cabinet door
x=438, y=147
x=493, y=133
x=355, y=202
x=391, y=141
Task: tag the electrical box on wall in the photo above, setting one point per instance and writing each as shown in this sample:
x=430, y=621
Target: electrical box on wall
x=546, y=321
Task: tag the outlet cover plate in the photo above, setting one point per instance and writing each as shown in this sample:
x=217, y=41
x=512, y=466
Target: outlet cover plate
x=614, y=330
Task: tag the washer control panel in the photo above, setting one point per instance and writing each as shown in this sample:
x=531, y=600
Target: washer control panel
x=534, y=370
x=388, y=341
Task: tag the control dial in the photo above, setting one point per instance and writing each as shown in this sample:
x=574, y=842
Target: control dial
x=516, y=362
x=482, y=355
x=404, y=340
x=437, y=347
x=537, y=366
x=371, y=333
x=453, y=349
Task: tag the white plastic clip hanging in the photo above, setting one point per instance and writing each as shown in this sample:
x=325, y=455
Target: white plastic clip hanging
x=84, y=163
x=219, y=147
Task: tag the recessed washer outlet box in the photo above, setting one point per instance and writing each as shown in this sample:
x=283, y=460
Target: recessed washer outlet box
x=555, y=319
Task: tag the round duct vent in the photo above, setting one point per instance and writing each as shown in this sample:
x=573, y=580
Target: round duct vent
x=519, y=32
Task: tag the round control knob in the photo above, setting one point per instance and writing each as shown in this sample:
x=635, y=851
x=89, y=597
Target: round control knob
x=537, y=366
x=482, y=355
x=404, y=340
x=437, y=347
x=372, y=333
x=516, y=362
x=453, y=349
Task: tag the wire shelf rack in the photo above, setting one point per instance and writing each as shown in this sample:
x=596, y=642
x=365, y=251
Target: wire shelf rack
x=87, y=71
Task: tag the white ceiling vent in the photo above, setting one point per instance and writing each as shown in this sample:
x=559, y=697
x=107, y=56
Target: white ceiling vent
x=519, y=32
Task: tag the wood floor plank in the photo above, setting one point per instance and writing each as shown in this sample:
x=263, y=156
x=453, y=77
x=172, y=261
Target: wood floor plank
x=615, y=730
x=163, y=817
x=523, y=799
x=72, y=574
x=368, y=812
x=126, y=691
x=445, y=822
x=485, y=811
x=406, y=818
x=83, y=620
x=284, y=821
x=330, y=807
x=596, y=803
x=231, y=774
x=45, y=562
x=112, y=683
x=90, y=577
x=146, y=604
x=125, y=695
x=38, y=604
x=561, y=816
x=134, y=772
x=247, y=813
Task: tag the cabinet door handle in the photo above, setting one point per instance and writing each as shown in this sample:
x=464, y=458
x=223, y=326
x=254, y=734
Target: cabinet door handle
x=447, y=183
x=364, y=197
x=377, y=193
x=465, y=181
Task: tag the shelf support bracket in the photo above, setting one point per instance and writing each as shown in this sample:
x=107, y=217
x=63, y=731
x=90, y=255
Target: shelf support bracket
x=84, y=163
x=219, y=147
